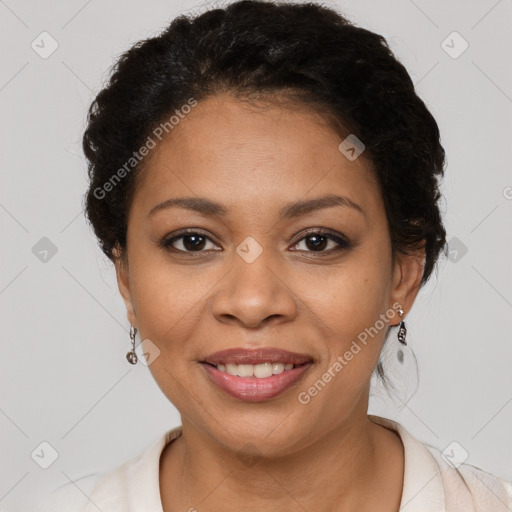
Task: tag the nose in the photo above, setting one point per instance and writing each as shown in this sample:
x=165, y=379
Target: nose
x=255, y=294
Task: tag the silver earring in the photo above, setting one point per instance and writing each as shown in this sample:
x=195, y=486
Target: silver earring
x=402, y=330
x=132, y=356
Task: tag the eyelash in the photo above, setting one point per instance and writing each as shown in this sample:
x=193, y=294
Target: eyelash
x=342, y=242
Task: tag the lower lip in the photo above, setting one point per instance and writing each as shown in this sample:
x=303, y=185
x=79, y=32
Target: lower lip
x=254, y=389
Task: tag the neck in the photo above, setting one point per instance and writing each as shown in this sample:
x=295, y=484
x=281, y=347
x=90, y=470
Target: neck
x=335, y=472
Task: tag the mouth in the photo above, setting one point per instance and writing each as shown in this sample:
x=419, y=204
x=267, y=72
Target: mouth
x=255, y=375
x=259, y=371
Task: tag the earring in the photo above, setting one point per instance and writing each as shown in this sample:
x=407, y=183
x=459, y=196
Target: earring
x=132, y=356
x=402, y=330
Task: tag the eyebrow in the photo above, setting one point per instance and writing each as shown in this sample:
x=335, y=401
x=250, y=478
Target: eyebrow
x=291, y=210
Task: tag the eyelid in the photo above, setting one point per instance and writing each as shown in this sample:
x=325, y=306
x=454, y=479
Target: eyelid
x=340, y=239
x=166, y=242
x=333, y=235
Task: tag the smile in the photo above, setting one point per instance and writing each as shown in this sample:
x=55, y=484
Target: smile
x=260, y=371
x=255, y=384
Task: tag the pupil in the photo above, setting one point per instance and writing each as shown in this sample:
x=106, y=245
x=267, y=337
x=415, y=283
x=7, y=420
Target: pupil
x=199, y=242
x=195, y=242
x=319, y=244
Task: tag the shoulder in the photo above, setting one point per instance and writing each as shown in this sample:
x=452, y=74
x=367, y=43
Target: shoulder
x=438, y=479
x=69, y=497
x=134, y=485
x=106, y=491
x=488, y=492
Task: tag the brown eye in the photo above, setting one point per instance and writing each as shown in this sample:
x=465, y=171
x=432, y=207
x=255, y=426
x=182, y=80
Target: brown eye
x=318, y=241
x=186, y=242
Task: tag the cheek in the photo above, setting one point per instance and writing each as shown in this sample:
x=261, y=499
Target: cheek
x=351, y=311
x=168, y=301
x=169, y=310
x=353, y=330
x=350, y=296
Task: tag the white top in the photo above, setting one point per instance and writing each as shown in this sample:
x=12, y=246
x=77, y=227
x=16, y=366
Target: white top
x=431, y=483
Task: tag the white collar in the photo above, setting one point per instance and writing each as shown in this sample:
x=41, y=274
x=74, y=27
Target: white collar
x=135, y=485
x=423, y=484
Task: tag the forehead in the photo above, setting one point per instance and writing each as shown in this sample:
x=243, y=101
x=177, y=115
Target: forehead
x=238, y=152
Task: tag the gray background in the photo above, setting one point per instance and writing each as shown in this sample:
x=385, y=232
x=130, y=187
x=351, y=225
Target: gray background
x=64, y=376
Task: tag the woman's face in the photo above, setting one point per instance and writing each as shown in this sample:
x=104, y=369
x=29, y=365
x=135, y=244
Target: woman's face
x=256, y=273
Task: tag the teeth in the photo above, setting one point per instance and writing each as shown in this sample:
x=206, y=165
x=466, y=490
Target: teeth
x=260, y=371
x=245, y=370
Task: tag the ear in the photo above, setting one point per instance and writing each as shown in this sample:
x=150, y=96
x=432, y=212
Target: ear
x=123, y=282
x=407, y=274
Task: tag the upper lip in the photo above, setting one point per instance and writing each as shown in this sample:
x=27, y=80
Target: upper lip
x=256, y=356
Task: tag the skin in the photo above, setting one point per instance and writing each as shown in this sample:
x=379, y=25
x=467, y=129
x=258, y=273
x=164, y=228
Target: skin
x=326, y=455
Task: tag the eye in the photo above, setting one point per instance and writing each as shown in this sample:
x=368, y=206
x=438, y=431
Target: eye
x=314, y=241
x=188, y=241
x=317, y=241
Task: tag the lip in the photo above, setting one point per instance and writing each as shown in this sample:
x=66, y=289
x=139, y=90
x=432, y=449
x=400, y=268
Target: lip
x=254, y=389
x=256, y=356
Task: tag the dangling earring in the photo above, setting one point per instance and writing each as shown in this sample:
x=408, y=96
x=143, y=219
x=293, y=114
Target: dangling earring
x=402, y=330
x=132, y=356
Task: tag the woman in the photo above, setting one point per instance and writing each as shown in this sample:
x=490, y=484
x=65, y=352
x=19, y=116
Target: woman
x=265, y=180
